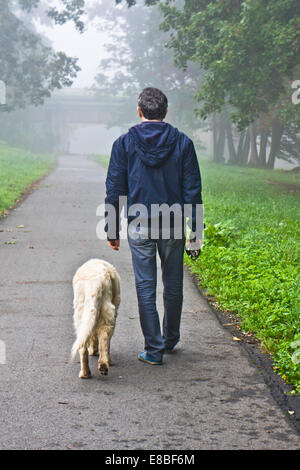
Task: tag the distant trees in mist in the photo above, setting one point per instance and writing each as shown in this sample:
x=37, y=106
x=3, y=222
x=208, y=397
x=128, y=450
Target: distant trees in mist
x=226, y=65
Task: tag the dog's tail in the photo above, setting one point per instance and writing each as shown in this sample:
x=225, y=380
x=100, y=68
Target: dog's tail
x=115, y=288
x=90, y=313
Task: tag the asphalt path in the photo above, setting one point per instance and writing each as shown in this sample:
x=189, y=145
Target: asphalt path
x=207, y=395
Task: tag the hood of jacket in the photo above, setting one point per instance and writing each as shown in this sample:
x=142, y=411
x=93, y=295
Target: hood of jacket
x=155, y=141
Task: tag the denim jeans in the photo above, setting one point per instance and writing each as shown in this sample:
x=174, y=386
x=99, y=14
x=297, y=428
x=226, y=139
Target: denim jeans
x=143, y=253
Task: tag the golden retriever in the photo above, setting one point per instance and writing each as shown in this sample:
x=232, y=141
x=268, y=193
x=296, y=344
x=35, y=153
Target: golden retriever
x=96, y=286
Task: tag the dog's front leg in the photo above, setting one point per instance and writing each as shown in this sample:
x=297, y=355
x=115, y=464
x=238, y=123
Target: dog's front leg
x=85, y=372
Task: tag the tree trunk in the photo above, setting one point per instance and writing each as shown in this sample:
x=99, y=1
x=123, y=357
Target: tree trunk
x=253, y=160
x=218, y=139
x=277, y=131
x=231, y=149
x=215, y=136
x=262, y=157
x=246, y=148
x=221, y=141
x=239, y=152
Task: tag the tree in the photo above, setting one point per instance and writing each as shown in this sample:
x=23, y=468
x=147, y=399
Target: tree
x=247, y=47
x=138, y=58
x=69, y=10
x=249, y=50
x=30, y=69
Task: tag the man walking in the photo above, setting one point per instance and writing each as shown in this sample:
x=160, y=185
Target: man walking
x=154, y=164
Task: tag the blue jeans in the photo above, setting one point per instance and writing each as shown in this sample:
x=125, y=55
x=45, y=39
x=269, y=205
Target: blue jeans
x=143, y=253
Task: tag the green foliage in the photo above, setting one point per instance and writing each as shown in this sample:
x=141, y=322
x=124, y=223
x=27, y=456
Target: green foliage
x=219, y=234
x=30, y=69
x=18, y=169
x=102, y=159
x=72, y=10
x=249, y=49
x=250, y=259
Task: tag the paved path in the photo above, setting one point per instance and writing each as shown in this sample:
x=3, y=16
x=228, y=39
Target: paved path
x=207, y=395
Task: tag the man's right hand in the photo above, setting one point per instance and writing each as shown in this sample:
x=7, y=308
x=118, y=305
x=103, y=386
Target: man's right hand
x=194, y=244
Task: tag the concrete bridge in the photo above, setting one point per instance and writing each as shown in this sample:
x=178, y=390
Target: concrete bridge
x=69, y=110
x=50, y=127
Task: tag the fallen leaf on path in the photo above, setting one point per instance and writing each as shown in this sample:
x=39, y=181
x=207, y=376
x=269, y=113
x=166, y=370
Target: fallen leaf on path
x=20, y=226
x=63, y=402
x=291, y=412
x=236, y=339
x=31, y=246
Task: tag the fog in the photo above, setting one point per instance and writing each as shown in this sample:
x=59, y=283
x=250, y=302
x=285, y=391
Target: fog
x=110, y=52
x=88, y=47
x=93, y=139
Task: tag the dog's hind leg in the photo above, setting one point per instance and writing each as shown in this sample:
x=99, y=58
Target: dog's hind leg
x=85, y=372
x=93, y=347
x=105, y=334
x=111, y=362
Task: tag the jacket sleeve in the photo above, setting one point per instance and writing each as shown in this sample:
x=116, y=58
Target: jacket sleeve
x=192, y=188
x=116, y=186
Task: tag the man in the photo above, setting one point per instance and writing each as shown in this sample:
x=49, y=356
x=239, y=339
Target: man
x=154, y=164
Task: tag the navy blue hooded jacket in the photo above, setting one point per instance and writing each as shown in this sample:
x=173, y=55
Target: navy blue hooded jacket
x=153, y=163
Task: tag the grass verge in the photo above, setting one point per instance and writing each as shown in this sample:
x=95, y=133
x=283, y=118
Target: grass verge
x=250, y=259
x=18, y=170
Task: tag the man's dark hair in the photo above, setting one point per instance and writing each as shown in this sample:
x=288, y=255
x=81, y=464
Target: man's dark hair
x=153, y=104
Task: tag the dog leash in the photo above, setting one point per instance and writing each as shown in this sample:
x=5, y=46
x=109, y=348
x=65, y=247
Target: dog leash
x=193, y=254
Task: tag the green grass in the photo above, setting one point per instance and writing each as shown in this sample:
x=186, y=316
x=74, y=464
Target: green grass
x=250, y=259
x=102, y=159
x=18, y=169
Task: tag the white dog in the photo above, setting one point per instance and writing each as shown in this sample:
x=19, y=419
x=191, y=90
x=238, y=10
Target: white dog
x=96, y=287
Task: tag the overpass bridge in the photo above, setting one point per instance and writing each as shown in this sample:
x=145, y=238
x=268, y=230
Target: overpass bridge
x=65, y=112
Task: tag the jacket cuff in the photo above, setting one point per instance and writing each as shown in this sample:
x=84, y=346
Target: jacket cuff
x=112, y=239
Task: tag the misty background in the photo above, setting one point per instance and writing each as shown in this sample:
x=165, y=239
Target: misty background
x=111, y=52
